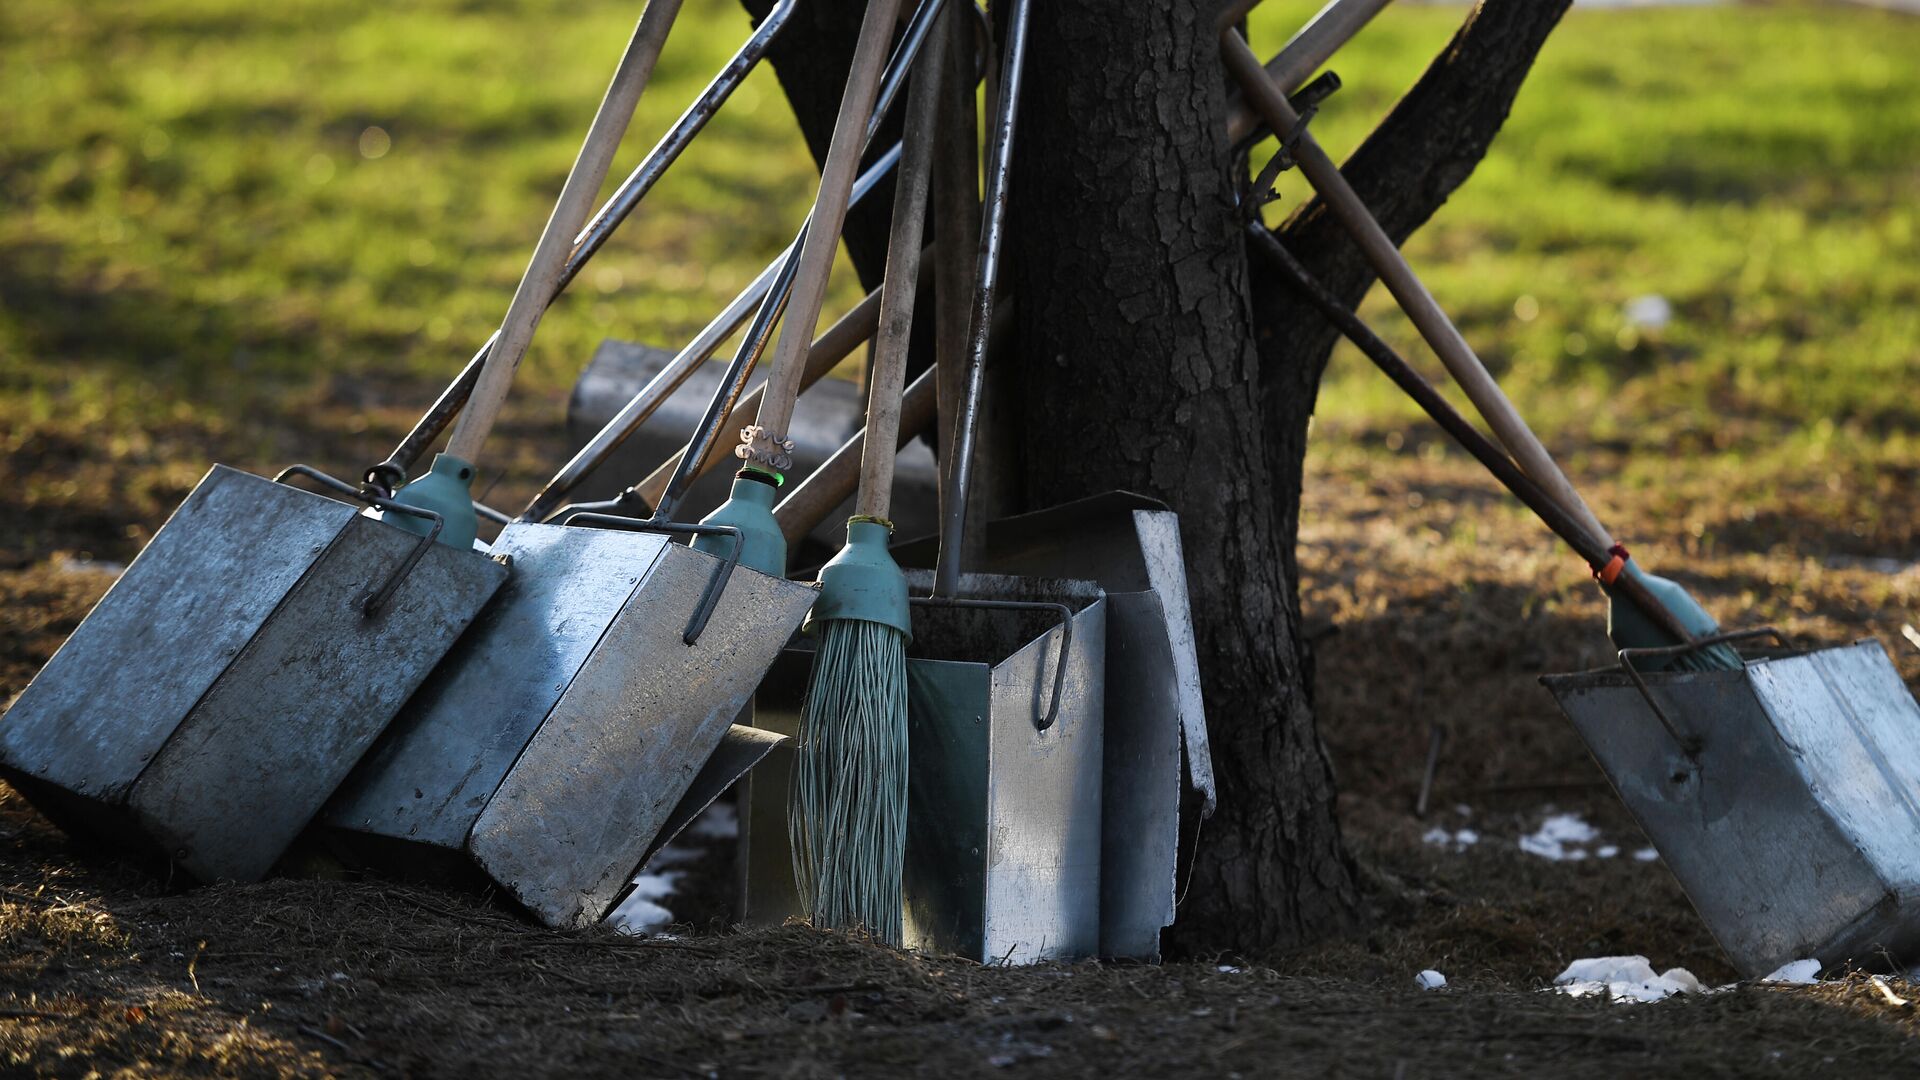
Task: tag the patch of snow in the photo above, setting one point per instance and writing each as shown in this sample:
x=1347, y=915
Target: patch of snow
x=67, y=564
x=1458, y=839
x=1798, y=973
x=1625, y=978
x=1430, y=980
x=1646, y=854
x=1562, y=838
x=1607, y=851
x=673, y=855
x=641, y=912
x=716, y=822
x=1228, y=969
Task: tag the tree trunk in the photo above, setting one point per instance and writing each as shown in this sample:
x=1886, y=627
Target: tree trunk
x=1154, y=360
x=1151, y=357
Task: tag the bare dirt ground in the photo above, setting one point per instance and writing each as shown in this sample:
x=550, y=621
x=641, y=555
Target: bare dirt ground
x=1438, y=605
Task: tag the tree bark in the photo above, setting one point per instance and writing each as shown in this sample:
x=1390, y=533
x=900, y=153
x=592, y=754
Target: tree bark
x=1150, y=356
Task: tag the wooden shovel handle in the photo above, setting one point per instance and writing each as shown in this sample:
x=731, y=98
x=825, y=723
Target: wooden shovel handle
x=1584, y=544
x=829, y=216
x=902, y=283
x=1400, y=280
x=542, y=278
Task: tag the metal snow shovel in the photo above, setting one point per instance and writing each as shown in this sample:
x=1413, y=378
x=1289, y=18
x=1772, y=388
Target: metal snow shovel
x=549, y=752
x=1130, y=546
x=1781, y=793
x=213, y=699
x=1784, y=795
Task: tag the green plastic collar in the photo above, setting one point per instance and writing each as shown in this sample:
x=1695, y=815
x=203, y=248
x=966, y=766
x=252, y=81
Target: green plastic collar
x=749, y=508
x=447, y=490
x=863, y=581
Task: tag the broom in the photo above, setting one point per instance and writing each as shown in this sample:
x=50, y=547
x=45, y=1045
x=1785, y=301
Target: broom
x=848, y=815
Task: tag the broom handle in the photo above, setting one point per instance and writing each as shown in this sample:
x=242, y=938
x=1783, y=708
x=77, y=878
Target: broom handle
x=1584, y=543
x=809, y=503
x=1398, y=276
x=1307, y=52
x=765, y=441
x=953, y=515
x=901, y=285
x=542, y=277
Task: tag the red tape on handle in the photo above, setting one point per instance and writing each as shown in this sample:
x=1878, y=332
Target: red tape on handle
x=1610, y=573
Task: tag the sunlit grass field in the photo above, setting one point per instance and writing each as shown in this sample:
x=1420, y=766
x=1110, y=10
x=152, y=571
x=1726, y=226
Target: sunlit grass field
x=267, y=232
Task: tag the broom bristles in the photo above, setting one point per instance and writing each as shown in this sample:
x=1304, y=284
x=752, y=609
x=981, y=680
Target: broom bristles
x=848, y=814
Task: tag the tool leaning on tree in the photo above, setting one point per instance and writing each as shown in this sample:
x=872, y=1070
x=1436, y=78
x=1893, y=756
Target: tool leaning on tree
x=1677, y=619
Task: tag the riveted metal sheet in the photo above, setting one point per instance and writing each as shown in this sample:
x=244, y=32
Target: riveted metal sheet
x=575, y=815
x=206, y=583
x=427, y=779
x=256, y=758
x=1790, y=829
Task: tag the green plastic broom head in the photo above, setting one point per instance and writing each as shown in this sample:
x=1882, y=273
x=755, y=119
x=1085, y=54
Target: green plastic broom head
x=863, y=581
x=749, y=508
x=447, y=490
x=1630, y=628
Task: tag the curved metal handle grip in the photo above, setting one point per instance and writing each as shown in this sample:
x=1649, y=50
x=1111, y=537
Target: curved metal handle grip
x=1689, y=744
x=716, y=582
x=1048, y=718
x=372, y=603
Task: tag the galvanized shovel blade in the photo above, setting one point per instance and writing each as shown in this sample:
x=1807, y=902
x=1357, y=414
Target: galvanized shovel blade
x=1794, y=827
x=233, y=676
x=576, y=814
x=425, y=782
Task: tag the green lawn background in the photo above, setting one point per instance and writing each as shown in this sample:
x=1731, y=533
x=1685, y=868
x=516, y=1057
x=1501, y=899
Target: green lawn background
x=251, y=231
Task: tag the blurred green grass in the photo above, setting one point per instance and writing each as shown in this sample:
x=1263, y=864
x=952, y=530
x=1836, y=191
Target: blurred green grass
x=258, y=230
x=1755, y=166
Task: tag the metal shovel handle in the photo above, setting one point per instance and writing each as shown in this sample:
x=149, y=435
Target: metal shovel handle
x=1690, y=744
x=1406, y=287
x=953, y=525
x=1046, y=719
x=375, y=601
x=393, y=472
x=542, y=277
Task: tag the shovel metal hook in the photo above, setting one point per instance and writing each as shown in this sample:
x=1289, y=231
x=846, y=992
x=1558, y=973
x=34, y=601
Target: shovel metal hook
x=1689, y=744
x=372, y=604
x=1046, y=719
x=716, y=584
